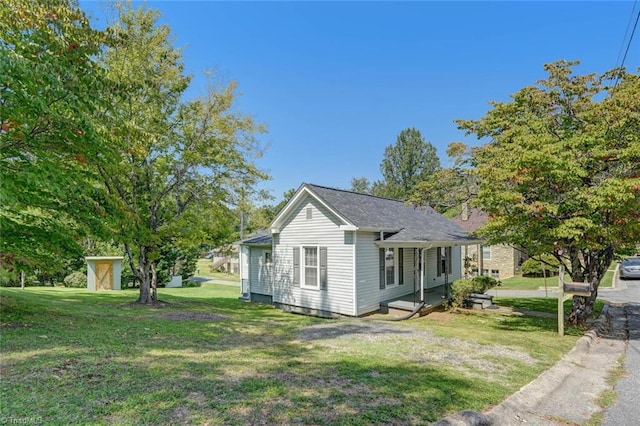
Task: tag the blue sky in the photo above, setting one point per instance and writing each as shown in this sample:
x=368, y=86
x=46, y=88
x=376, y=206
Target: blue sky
x=336, y=82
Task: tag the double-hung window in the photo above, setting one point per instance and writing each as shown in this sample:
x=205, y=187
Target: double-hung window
x=486, y=252
x=311, y=267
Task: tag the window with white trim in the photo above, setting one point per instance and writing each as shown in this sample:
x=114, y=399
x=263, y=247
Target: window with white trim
x=267, y=258
x=311, y=271
x=486, y=252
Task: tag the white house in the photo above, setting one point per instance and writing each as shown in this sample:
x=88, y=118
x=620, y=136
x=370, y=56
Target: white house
x=332, y=251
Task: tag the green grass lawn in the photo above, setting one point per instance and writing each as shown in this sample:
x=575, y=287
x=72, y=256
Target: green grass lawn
x=70, y=356
x=203, y=268
x=527, y=283
x=548, y=305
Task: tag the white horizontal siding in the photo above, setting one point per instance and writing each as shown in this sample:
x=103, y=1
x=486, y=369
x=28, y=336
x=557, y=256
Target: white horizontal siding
x=368, y=292
x=367, y=275
x=322, y=229
x=431, y=274
x=259, y=271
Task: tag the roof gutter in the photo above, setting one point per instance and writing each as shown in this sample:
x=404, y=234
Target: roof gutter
x=427, y=244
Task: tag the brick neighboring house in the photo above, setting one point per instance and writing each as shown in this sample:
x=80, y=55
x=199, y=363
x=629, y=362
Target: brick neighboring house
x=498, y=261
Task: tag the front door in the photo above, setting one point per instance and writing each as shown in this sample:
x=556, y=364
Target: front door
x=104, y=276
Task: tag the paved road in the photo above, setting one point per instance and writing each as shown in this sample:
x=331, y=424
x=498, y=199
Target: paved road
x=214, y=281
x=626, y=410
x=623, y=326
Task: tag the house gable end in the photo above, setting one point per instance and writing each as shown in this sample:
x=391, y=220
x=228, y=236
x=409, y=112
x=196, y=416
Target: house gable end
x=300, y=198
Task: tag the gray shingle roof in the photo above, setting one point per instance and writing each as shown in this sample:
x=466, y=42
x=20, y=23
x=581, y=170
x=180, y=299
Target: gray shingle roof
x=260, y=239
x=476, y=218
x=414, y=223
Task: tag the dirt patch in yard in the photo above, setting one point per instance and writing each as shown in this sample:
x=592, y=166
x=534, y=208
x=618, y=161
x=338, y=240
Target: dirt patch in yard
x=440, y=316
x=508, y=311
x=416, y=346
x=157, y=304
x=13, y=325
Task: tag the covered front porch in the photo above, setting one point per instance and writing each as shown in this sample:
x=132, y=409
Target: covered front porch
x=432, y=297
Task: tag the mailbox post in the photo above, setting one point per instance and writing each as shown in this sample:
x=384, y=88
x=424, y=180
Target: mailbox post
x=567, y=290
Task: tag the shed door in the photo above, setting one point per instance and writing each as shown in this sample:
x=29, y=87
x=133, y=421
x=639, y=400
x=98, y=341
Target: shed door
x=104, y=276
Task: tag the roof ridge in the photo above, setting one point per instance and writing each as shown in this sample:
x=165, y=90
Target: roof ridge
x=354, y=192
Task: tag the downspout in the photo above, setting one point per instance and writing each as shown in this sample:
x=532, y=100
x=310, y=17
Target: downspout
x=355, y=272
x=422, y=302
x=422, y=270
x=407, y=316
x=272, y=271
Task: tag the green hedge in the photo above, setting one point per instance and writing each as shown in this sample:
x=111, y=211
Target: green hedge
x=533, y=267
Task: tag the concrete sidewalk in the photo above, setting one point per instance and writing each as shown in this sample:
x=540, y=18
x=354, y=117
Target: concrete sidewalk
x=568, y=391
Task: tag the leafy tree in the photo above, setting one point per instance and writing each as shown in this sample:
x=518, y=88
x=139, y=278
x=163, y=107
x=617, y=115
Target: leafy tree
x=450, y=187
x=252, y=217
x=51, y=94
x=410, y=161
x=181, y=161
x=562, y=170
x=261, y=217
x=361, y=185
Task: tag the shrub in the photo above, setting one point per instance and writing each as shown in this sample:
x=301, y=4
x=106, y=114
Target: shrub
x=191, y=283
x=461, y=289
x=76, y=280
x=483, y=283
x=8, y=278
x=533, y=267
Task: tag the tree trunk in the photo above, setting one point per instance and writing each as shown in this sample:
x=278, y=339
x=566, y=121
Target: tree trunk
x=596, y=263
x=146, y=297
x=581, y=308
x=154, y=282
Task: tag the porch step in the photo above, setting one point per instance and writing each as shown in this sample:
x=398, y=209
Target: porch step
x=480, y=296
x=402, y=307
x=478, y=302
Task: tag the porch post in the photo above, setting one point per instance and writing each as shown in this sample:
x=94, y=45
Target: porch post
x=422, y=274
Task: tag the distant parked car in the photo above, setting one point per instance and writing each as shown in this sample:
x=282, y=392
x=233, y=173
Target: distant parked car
x=630, y=268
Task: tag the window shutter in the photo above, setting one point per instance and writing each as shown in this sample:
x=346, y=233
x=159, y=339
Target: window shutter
x=449, y=251
x=323, y=268
x=382, y=269
x=296, y=266
x=400, y=266
x=439, y=260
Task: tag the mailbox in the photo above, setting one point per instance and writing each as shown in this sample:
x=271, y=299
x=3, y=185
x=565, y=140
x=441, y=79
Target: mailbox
x=579, y=289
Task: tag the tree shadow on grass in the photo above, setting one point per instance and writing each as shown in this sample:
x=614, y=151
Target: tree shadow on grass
x=291, y=384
